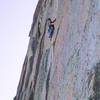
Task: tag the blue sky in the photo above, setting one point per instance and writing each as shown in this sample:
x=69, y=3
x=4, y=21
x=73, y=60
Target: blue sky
x=15, y=23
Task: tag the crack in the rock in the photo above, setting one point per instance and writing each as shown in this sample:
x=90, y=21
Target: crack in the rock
x=30, y=70
x=41, y=45
x=36, y=14
x=47, y=85
x=96, y=86
x=23, y=77
x=58, y=30
x=47, y=54
x=31, y=96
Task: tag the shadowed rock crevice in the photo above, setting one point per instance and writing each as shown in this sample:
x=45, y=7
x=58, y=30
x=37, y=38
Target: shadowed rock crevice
x=96, y=86
x=57, y=32
x=51, y=2
x=22, y=78
x=38, y=33
x=30, y=70
x=31, y=96
x=34, y=46
x=47, y=85
x=36, y=14
x=42, y=73
x=38, y=62
x=46, y=56
x=45, y=3
x=41, y=46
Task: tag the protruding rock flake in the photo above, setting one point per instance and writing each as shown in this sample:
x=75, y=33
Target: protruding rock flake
x=63, y=56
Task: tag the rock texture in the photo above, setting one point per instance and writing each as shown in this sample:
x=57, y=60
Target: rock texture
x=67, y=67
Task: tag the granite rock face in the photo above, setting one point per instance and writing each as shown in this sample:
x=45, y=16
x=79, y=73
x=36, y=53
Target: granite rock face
x=66, y=67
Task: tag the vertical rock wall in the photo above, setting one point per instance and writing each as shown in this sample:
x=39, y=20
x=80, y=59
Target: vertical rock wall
x=67, y=67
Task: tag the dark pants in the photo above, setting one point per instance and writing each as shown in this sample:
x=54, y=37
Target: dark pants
x=51, y=30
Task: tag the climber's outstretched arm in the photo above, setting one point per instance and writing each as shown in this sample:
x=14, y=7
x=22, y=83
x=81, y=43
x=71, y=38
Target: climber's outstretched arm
x=53, y=20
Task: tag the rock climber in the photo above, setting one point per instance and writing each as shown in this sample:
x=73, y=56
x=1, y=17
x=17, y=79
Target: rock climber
x=51, y=27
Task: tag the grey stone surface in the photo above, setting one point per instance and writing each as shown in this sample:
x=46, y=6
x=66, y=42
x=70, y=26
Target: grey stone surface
x=67, y=67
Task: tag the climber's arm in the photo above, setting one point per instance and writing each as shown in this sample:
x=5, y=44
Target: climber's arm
x=53, y=20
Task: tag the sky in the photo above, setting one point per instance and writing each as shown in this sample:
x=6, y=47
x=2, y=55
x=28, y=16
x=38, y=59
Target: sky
x=16, y=17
